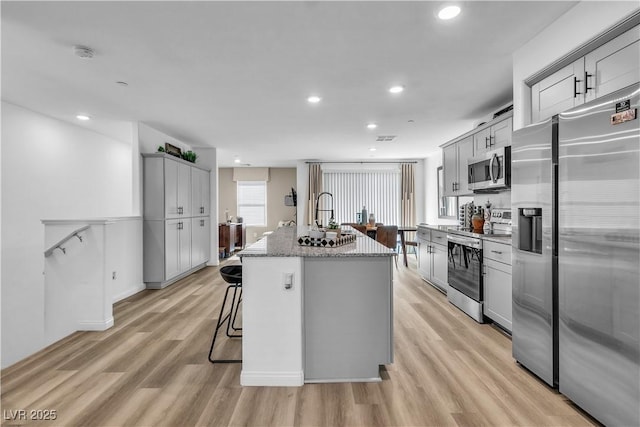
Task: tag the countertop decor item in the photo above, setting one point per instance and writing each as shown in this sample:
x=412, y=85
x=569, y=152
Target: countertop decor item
x=477, y=222
x=172, y=149
x=333, y=227
x=326, y=242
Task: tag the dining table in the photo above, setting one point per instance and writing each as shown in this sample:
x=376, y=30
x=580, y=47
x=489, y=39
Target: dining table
x=371, y=232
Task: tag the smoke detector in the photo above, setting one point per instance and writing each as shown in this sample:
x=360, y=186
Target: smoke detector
x=83, y=52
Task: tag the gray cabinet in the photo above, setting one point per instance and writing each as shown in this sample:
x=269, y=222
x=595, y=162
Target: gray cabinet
x=200, y=194
x=432, y=257
x=558, y=92
x=177, y=229
x=612, y=66
x=454, y=161
x=495, y=136
x=497, y=283
x=200, y=232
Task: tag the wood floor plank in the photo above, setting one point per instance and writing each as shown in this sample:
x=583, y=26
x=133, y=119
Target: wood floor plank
x=151, y=369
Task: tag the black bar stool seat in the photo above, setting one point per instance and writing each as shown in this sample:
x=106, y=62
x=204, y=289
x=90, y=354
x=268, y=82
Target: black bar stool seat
x=231, y=274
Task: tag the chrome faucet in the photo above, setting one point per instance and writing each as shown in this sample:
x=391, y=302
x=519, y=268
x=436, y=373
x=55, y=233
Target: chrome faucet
x=323, y=210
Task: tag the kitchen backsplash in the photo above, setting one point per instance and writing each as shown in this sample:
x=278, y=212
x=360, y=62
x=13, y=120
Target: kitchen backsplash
x=498, y=200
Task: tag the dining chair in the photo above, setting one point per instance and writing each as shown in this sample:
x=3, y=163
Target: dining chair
x=388, y=235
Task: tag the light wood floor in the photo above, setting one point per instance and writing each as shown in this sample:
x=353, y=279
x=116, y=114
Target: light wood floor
x=151, y=369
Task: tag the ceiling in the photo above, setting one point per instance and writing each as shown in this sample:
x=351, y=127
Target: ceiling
x=236, y=75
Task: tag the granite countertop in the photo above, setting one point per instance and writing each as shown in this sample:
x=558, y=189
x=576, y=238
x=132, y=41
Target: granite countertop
x=497, y=238
x=283, y=242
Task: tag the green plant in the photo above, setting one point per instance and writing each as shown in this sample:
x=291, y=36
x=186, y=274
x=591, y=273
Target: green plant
x=160, y=149
x=333, y=225
x=190, y=156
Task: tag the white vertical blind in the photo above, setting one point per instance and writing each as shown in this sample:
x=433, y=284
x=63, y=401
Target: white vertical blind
x=379, y=191
x=252, y=202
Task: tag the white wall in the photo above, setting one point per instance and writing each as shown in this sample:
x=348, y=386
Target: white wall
x=50, y=169
x=579, y=25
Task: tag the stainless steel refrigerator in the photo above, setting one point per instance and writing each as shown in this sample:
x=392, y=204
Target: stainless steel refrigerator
x=576, y=254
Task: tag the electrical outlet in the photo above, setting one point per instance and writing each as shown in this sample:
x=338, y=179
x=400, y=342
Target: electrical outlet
x=287, y=279
x=113, y=276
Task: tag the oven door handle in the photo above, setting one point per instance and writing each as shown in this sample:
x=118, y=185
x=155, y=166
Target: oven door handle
x=473, y=243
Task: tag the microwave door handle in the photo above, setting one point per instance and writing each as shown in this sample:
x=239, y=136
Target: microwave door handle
x=493, y=158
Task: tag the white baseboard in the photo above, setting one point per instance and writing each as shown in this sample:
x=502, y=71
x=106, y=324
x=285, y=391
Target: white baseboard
x=95, y=326
x=134, y=289
x=274, y=379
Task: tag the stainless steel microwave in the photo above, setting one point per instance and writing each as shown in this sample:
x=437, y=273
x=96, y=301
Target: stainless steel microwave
x=491, y=170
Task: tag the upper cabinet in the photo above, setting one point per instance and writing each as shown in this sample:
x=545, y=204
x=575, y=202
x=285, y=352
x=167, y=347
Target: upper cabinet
x=612, y=66
x=177, y=193
x=454, y=160
x=456, y=153
x=199, y=192
x=496, y=136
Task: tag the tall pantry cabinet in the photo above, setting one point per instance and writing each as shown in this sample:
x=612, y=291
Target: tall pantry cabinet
x=177, y=225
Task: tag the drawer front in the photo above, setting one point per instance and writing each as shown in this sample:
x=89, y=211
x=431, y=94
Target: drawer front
x=497, y=251
x=423, y=234
x=438, y=237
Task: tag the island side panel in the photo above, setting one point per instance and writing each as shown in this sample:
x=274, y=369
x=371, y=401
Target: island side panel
x=271, y=322
x=348, y=318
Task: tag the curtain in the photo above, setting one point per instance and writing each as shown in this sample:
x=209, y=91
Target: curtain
x=315, y=188
x=408, y=188
x=377, y=190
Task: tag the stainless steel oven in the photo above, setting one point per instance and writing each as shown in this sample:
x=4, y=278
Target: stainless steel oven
x=491, y=170
x=465, y=274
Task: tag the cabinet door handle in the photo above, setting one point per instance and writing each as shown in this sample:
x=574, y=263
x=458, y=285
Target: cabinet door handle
x=180, y=225
x=491, y=144
x=586, y=82
x=202, y=223
x=575, y=87
x=486, y=142
x=497, y=252
x=180, y=210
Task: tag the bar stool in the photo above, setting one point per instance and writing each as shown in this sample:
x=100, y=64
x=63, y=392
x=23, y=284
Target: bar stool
x=231, y=274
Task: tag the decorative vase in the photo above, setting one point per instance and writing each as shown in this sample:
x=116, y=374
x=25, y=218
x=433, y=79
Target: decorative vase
x=372, y=220
x=477, y=222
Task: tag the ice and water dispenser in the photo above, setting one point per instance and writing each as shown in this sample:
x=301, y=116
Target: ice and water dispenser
x=530, y=224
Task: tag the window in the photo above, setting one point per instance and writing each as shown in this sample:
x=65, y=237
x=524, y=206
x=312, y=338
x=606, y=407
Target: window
x=252, y=202
x=378, y=190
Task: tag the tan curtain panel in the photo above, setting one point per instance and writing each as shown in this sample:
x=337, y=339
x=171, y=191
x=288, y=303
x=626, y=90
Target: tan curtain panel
x=408, y=197
x=251, y=174
x=315, y=188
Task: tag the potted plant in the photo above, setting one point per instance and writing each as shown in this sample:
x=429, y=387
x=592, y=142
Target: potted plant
x=189, y=156
x=333, y=227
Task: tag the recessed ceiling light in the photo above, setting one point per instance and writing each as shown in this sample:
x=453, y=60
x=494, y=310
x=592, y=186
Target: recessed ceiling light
x=372, y=126
x=83, y=117
x=396, y=89
x=84, y=52
x=372, y=149
x=237, y=161
x=314, y=99
x=449, y=12
x=122, y=83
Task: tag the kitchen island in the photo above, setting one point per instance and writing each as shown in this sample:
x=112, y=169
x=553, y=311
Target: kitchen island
x=315, y=314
